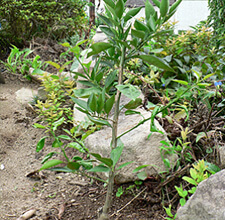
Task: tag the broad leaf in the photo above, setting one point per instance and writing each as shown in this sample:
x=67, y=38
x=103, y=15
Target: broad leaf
x=133, y=104
x=76, y=146
x=116, y=153
x=109, y=104
x=149, y=10
x=51, y=163
x=41, y=144
x=119, y=8
x=99, y=168
x=142, y=175
x=129, y=90
x=156, y=61
x=98, y=47
x=131, y=13
x=107, y=161
x=73, y=165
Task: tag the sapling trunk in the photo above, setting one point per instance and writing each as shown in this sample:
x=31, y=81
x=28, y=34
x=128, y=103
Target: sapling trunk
x=108, y=201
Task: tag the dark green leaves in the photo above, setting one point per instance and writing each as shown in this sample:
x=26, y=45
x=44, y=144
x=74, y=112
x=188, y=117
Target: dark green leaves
x=156, y=61
x=119, y=8
x=164, y=7
x=133, y=104
x=107, y=161
x=98, y=47
x=51, y=163
x=131, y=13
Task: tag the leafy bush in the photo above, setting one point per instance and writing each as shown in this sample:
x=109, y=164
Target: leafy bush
x=21, y=20
x=217, y=16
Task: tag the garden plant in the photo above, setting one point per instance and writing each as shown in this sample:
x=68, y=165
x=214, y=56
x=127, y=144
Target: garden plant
x=181, y=78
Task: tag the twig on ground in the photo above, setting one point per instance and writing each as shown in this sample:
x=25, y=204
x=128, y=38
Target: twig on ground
x=115, y=213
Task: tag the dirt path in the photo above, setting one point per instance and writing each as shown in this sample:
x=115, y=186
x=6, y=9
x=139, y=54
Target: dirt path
x=54, y=195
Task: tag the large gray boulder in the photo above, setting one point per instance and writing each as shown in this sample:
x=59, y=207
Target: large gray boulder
x=208, y=202
x=138, y=147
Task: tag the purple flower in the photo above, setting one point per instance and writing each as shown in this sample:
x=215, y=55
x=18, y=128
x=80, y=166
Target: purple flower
x=163, y=85
x=219, y=83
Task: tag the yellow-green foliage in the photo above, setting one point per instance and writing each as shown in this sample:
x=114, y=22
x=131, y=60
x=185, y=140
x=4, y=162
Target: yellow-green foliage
x=57, y=104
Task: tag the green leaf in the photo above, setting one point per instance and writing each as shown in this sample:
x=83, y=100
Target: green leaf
x=116, y=153
x=192, y=190
x=65, y=137
x=107, y=161
x=174, y=6
x=36, y=125
x=204, y=84
x=58, y=123
x=105, y=20
x=98, y=47
x=109, y=104
x=157, y=3
x=57, y=143
x=51, y=163
x=132, y=112
x=129, y=90
x=85, y=93
x=182, y=201
x=48, y=156
x=81, y=103
x=110, y=3
x=131, y=13
x=99, y=121
x=41, y=144
x=99, y=168
x=73, y=165
x=76, y=146
x=142, y=175
x=208, y=76
x=200, y=135
x=110, y=79
x=156, y=61
x=190, y=180
x=100, y=103
x=164, y=7
x=139, y=168
x=153, y=128
x=119, y=8
x=140, y=26
x=133, y=104
x=92, y=102
x=56, y=65
x=123, y=165
x=181, y=82
x=107, y=31
x=138, y=34
x=149, y=10
x=212, y=168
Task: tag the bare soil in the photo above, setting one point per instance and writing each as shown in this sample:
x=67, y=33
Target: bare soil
x=53, y=195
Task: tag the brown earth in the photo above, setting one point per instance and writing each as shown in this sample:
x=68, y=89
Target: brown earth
x=53, y=195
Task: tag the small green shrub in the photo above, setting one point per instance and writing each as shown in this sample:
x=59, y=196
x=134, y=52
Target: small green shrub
x=21, y=20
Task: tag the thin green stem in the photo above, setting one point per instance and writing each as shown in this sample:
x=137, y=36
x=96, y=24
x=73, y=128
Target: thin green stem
x=108, y=201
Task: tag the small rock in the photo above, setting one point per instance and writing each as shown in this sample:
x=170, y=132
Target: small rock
x=2, y=167
x=25, y=95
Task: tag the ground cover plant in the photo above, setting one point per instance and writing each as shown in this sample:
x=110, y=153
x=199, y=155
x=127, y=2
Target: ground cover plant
x=181, y=80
